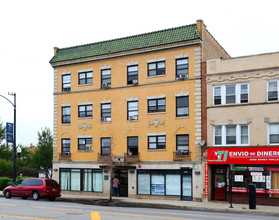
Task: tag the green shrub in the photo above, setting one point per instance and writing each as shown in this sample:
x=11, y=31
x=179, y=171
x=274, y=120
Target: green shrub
x=5, y=181
x=5, y=167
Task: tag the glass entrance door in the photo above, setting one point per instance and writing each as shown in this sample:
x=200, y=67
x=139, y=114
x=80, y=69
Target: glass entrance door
x=186, y=187
x=219, y=183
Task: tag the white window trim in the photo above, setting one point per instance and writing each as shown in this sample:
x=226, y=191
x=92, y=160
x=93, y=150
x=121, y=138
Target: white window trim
x=105, y=101
x=132, y=63
x=85, y=70
x=157, y=97
x=156, y=60
x=267, y=87
x=66, y=73
x=182, y=55
x=237, y=93
x=66, y=105
x=156, y=134
x=268, y=129
x=85, y=136
x=105, y=67
x=224, y=135
x=85, y=103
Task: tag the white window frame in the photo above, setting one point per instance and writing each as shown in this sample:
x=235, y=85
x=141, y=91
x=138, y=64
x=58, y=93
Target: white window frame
x=224, y=135
x=267, y=89
x=268, y=133
x=237, y=93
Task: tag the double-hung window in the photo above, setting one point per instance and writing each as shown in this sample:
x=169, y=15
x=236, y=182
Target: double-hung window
x=231, y=135
x=182, y=106
x=132, y=74
x=65, y=145
x=182, y=144
x=85, y=144
x=156, y=105
x=66, y=83
x=66, y=115
x=84, y=111
x=85, y=78
x=273, y=91
x=106, y=78
x=106, y=112
x=273, y=133
x=231, y=94
x=182, y=68
x=133, y=110
x=132, y=148
x=157, y=142
x=105, y=146
x=156, y=69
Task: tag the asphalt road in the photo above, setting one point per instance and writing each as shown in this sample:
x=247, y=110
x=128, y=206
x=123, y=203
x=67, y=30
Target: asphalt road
x=16, y=208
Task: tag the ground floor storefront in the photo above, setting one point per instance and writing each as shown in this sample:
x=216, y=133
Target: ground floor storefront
x=156, y=181
x=248, y=165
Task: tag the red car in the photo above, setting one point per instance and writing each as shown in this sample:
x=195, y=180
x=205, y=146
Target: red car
x=35, y=187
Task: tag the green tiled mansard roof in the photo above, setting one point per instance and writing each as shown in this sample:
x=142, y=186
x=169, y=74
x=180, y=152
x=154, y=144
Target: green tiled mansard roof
x=168, y=36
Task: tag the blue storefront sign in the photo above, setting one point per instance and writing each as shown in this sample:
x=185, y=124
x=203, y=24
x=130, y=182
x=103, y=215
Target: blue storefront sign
x=9, y=132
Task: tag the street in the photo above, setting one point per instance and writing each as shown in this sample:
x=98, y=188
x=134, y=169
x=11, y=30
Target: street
x=16, y=208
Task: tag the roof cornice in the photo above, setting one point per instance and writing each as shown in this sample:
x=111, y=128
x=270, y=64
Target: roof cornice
x=127, y=53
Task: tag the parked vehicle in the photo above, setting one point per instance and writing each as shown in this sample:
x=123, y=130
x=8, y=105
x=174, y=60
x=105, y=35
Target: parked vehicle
x=34, y=187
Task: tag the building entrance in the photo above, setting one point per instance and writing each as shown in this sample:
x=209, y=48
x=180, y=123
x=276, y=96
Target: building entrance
x=123, y=178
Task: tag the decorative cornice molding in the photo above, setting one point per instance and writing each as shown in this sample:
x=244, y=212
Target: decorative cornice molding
x=66, y=104
x=66, y=72
x=156, y=133
x=85, y=103
x=85, y=70
x=156, y=60
x=132, y=63
x=105, y=67
x=156, y=97
x=182, y=55
x=105, y=101
x=132, y=99
x=182, y=94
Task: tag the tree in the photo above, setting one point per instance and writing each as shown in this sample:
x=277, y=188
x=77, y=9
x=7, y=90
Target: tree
x=42, y=159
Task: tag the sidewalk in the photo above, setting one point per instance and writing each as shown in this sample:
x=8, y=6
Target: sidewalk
x=149, y=203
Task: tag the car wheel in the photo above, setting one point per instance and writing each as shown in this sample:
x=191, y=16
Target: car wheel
x=24, y=197
x=51, y=198
x=35, y=195
x=8, y=194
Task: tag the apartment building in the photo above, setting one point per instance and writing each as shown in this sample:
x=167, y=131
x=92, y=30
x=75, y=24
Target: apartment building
x=131, y=107
x=243, y=127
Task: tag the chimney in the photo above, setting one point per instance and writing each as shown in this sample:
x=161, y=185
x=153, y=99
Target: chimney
x=200, y=27
x=55, y=50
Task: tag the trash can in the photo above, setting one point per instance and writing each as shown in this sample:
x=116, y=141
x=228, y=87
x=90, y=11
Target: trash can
x=252, y=196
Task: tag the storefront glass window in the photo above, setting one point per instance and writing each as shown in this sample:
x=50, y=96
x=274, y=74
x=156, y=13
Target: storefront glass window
x=272, y=182
x=173, y=184
x=97, y=182
x=157, y=184
x=75, y=179
x=144, y=184
x=65, y=179
x=87, y=180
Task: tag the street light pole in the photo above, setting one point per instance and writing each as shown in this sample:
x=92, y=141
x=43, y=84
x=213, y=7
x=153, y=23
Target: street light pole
x=14, y=141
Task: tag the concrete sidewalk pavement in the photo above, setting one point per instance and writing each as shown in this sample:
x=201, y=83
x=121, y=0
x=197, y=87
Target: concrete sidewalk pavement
x=211, y=206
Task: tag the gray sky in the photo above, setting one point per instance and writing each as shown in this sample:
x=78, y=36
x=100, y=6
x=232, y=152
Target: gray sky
x=31, y=28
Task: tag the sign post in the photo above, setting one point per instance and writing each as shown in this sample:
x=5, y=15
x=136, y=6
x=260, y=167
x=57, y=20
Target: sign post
x=231, y=181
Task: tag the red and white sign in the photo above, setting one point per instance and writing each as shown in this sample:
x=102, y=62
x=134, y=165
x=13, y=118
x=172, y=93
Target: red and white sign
x=243, y=155
x=206, y=179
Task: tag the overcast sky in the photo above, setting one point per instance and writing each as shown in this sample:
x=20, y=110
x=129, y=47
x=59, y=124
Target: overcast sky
x=31, y=28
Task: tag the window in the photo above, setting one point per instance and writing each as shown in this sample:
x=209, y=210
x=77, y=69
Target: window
x=156, y=105
x=105, y=146
x=217, y=95
x=273, y=133
x=66, y=115
x=85, y=144
x=85, y=78
x=106, y=112
x=133, y=110
x=182, y=68
x=182, y=106
x=231, y=94
x=273, y=90
x=231, y=134
x=106, y=78
x=132, y=146
x=84, y=111
x=182, y=144
x=66, y=83
x=132, y=74
x=160, y=182
x=89, y=180
x=66, y=145
x=218, y=135
x=157, y=142
x=155, y=69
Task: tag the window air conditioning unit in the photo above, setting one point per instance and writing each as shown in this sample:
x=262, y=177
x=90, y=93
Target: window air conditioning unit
x=67, y=89
x=88, y=148
x=65, y=154
x=104, y=85
x=182, y=76
x=103, y=119
x=135, y=81
x=133, y=117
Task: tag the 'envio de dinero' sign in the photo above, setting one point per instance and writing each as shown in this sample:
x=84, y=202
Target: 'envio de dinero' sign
x=248, y=155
